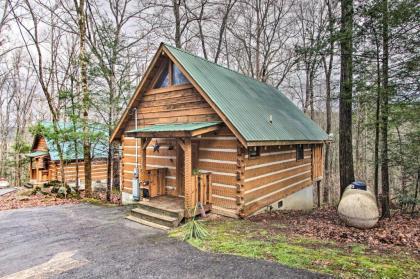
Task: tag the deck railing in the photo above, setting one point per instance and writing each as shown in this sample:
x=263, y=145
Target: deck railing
x=202, y=188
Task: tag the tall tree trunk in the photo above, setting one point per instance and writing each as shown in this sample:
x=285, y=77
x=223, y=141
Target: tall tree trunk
x=311, y=93
x=346, y=85
x=176, y=4
x=377, y=120
x=85, y=98
x=326, y=188
x=76, y=149
x=416, y=192
x=385, y=110
x=229, y=6
x=110, y=158
x=358, y=135
x=200, y=30
x=328, y=71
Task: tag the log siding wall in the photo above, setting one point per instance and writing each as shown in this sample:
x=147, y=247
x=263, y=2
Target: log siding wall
x=273, y=175
x=175, y=104
x=164, y=158
x=99, y=169
x=218, y=155
x=241, y=185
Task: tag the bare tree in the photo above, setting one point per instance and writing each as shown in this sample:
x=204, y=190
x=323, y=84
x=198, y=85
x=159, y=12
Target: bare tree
x=262, y=44
x=30, y=35
x=23, y=94
x=327, y=62
x=111, y=47
x=83, y=64
x=311, y=18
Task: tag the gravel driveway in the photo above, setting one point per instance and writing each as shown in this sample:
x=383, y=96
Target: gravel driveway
x=87, y=241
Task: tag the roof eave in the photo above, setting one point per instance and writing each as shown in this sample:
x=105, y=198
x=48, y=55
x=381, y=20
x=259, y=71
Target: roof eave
x=283, y=142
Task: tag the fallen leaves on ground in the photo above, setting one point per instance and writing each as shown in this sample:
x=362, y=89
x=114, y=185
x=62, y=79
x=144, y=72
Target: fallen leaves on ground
x=21, y=199
x=15, y=200
x=401, y=231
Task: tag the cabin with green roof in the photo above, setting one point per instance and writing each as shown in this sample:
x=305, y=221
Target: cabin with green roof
x=204, y=137
x=45, y=161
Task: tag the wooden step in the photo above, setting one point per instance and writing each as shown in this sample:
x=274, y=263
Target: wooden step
x=177, y=213
x=147, y=223
x=164, y=220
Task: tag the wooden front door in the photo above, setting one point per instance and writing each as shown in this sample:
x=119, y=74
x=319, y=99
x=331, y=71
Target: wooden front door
x=180, y=167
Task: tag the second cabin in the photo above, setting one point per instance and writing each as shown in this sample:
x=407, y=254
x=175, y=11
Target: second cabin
x=202, y=134
x=44, y=158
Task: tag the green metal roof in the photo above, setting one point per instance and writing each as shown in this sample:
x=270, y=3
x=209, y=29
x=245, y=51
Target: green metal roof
x=175, y=127
x=99, y=144
x=248, y=103
x=37, y=153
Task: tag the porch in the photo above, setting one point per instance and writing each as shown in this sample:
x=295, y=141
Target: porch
x=39, y=167
x=193, y=188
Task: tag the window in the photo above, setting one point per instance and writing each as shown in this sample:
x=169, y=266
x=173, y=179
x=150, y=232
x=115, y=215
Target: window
x=299, y=152
x=178, y=76
x=254, y=151
x=163, y=80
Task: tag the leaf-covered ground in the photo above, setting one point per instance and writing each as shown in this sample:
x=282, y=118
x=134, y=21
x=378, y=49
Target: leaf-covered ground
x=314, y=241
x=401, y=232
x=23, y=198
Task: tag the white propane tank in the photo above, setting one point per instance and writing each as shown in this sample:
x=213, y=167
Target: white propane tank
x=358, y=208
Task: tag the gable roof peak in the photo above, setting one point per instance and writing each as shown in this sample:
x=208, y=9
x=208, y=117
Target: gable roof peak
x=216, y=64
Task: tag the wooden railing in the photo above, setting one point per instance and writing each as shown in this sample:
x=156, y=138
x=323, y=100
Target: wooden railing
x=202, y=188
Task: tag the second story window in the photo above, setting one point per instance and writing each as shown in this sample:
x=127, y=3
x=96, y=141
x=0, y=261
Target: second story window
x=163, y=80
x=178, y=76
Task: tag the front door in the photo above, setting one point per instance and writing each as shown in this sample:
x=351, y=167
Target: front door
x=180, y=167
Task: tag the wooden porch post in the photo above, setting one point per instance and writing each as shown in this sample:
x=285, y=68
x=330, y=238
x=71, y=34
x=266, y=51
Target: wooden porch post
x=188, y=203
x=30, y=168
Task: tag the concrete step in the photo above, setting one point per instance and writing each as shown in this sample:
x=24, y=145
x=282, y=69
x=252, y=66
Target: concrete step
x=164, y=220
x=177, y=213
x=147, y=223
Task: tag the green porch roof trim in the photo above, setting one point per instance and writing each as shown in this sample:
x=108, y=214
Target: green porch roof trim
x=37, y=153
x=248, y=103
x=175, y=127
x=99, y=145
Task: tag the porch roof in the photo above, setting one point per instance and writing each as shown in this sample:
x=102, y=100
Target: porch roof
x=37, y=153
x=175, y=129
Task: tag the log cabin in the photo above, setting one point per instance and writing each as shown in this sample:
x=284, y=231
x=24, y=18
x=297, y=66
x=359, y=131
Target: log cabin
x=45, y=161
x=203, y=136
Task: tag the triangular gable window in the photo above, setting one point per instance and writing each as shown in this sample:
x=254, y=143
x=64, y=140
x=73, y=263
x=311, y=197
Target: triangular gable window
x=163, y=80
x=178, y=76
